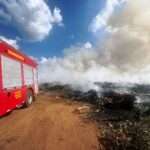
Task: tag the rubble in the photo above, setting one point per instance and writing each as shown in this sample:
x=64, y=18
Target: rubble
x=126, y=135
x=69, y=92
x=124, y=124
x=54, y=87
x=89, y=96
x=144, y=108
x=113, y=100
x=82, y=110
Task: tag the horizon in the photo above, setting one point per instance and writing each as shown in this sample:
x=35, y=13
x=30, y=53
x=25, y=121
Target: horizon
x=81, y=42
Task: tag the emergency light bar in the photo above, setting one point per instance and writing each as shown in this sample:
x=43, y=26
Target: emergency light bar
x=15, y=55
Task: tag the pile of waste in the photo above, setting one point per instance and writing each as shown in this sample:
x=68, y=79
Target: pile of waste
x=47, y=87
x=66, y=91
x=89, y=96
x=125, y=135
x=113, y=100
x=112, y=103
x=124, y=123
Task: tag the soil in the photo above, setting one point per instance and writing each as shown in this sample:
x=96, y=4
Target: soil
x=50, y=123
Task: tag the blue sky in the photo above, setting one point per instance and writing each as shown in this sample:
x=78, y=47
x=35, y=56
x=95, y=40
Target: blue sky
x=73, y=29
x=99, y=35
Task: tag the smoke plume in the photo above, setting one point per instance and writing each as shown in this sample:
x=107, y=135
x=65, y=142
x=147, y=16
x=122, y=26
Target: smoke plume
x=122, y=56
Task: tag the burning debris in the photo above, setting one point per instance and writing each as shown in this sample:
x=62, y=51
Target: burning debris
x=108, y=99
x=89, y=96
x=115, y=106
x=125, y=135
x=69, y=92
x=123, y=118
x=113, y=100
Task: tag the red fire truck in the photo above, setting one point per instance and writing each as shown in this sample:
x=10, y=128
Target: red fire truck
x=18, y=79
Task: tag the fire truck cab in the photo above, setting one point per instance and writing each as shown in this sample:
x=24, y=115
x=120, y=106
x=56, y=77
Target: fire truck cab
x=18, y=79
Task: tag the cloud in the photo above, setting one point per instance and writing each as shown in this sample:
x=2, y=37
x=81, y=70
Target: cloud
x=11, y=42
x=57, y=16
x=129, y=45
x=4, y=15
x=33, y=18
x=81, y=67
x=102, y=17
x=71, y=69
x=88, y=45
x=128, y=29
x=122, y=56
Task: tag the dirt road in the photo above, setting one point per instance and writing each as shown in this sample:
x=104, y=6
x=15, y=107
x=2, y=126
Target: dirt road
x=49, y=124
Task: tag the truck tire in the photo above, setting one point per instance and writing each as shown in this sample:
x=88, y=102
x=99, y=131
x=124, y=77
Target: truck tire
x=30, y=98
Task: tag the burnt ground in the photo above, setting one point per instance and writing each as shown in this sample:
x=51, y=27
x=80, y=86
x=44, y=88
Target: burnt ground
x=49, y=124
x=123, y=124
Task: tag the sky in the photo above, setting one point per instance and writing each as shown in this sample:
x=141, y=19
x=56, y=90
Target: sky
x=44, y=28
x=81, y=42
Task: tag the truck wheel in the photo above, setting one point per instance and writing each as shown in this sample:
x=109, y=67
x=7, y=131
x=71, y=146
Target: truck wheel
x=30, y=98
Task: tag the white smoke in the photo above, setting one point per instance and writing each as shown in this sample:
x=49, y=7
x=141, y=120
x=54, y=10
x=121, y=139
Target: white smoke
x=122, y=56
x=73, y=69
x=101, y=18
x=129, y=44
